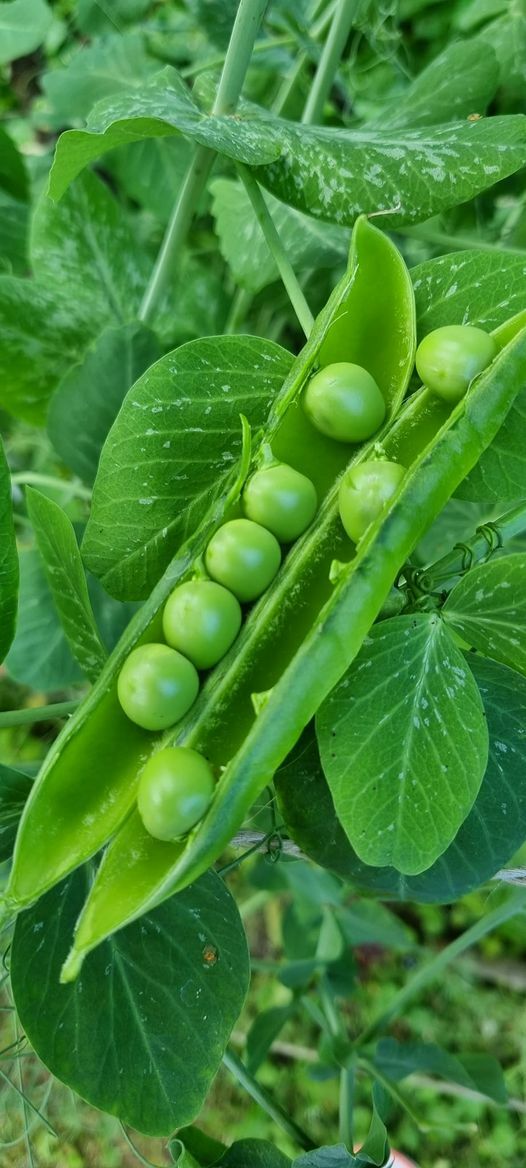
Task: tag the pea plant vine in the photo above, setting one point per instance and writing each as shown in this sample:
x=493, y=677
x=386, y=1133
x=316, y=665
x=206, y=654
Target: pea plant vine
x=262, y=560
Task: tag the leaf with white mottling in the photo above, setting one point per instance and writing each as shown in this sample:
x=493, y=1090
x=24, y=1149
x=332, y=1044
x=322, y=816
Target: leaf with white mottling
x=308, y=243
x=113, y=65
x=65, y=574
x=85, y=247
x=404, y=744
x=488, y=609
x=330, y=173
x=169, y=452
x=460, y=81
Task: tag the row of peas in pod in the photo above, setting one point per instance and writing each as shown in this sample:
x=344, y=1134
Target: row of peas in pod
x=159, y=682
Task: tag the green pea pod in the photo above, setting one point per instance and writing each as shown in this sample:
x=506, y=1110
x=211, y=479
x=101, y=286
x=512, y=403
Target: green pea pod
x=137, y=872
x=87, y=785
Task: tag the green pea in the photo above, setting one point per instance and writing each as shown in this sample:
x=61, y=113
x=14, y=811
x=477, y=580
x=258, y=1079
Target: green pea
x=175, y=789
x=450, y=357
x=156, y=686
x=364, y=492
x=244, y=557
x=282, y=500
x=201, y=619
x=344, y=402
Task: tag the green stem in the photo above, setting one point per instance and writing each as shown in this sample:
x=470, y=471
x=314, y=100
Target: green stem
x=346, y=1106
x=239, y=308
x=288, y=83
x=261, y=1096
x=433, y=968
x=455, y=242
x=33, y=479
x=37, y=713
x=508, y=525
x=277, y=250
x=216, y=62
x=248, y=19
x=329, y=61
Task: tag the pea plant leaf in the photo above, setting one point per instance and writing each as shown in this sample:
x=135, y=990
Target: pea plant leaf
x=65, y=574
x=335, y=1156
x=14, y=790
x=309, y=243
x=151, y=172
x=116, y=64
x=491, y=833
x=87, y=400
x=40, y=656
x=404, y=744
x=169, y=451
x=13, y=173
x=329, y=173
x=488, y=609
x=23, y=26
x=100, y=266
x=142, y=1032
x=8, y=560
x=257, y=1153
x=460, y=81
x=476, y=1072
x=42, y=332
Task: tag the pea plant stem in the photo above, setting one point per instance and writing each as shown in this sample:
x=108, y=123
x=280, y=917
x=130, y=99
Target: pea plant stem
x=513, y=904
x=275, y=245
x=37, y=713
x=329, y=60
x=506, y=526
x=346, y=1106
x=288, y=83
x=248, y=19
x=34, y=479
x=261, y=1096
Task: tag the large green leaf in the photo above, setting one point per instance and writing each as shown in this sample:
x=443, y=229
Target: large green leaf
x=404, y=744
x=460, y=81
x=335, y=1156
x=14, y=789
x=492, y=832
x=65, y=575
x=8, y=560
x=469, y=287
x=84, y=246
x=256, y=1153
x=113, y=65
x=142, y=1032
x=166, y=458
x=40, y=655
x=42, y=332
x=86, y=402
x=23, y=26
x=488, y=609
x=330, y=173
x=309, y=243
x=479, y=1072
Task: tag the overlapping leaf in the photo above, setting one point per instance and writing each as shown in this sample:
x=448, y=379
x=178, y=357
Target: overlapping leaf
x=404, y=744
x=86, y=402
x=142, y=1032
x=23, y=26
x=65, y=574
x=488, y=609
x=330, y=173
x=177, y=436
x=459, y=82
x=492, y=832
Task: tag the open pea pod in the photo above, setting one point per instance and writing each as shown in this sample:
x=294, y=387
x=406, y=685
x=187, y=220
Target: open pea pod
x=87, y=785
x=439, y=449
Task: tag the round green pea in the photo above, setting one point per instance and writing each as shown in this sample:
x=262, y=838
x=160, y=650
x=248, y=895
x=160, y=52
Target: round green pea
x=156, y=686
x=282, y=500
x=175, y=790
x=344, y=402
x=201, y=619
x=450, y=357
x=244, y=557
x=364, y=491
